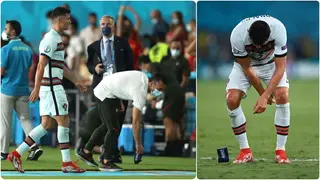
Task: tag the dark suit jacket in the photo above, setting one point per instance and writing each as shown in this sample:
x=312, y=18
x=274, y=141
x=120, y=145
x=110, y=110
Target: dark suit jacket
x=123, y=57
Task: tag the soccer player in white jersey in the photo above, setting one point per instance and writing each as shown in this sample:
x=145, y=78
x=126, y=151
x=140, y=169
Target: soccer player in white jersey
x=126, y=85
x=53, y=101
x=259, y=45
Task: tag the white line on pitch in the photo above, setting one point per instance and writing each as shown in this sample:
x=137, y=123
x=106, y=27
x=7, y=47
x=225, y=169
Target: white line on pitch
x=265, y=159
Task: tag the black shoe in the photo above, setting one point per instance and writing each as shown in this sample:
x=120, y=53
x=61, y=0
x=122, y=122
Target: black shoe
x=4, y=156
x=87, y=158
x=34, y=153
x=115, y=159
x=111, y=167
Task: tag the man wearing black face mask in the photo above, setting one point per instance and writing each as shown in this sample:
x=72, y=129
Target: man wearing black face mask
x=108, y=55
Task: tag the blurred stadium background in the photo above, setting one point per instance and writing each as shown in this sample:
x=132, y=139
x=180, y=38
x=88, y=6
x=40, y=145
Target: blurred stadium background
x=34, y=20
x=215, y=60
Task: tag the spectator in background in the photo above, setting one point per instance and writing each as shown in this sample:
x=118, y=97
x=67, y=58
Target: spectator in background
x=74, y=50
x=91, y=33
x=192, y=30
x=159, y=25
x=192, y=34
x=66, y=83
x=72, y=18
x=15, y=57
x=178, y=64
x=177, y=31
x=159, y=50
x=126, y=29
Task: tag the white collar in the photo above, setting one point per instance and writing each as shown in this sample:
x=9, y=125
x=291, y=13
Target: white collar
x=105, y=39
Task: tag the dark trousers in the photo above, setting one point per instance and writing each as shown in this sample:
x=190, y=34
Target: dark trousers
x=109, y=128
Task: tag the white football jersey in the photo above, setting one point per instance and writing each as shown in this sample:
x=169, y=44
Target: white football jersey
x=276, y=44
x=125, y=85
x=51, y=46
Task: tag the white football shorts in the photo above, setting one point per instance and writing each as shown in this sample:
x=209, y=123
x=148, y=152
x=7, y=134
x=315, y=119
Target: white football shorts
x=237, y=79
x=53, y=103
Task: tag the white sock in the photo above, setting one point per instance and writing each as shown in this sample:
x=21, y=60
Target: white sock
x=63, y=139
x=238, y=123
x=282, y=123
x=35, y=135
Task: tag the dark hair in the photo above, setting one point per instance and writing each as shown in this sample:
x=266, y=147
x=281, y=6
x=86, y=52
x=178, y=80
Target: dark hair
x=259, y=32
x=74, y=25
x=49, y=14
x=93, y=14
x=60, y=11
x=144, y=60
x=16, y=26
x=159, y=77
x=179, y=16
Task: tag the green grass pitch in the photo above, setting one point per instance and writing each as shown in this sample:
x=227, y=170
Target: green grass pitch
x=51, y=161
x=214, y=131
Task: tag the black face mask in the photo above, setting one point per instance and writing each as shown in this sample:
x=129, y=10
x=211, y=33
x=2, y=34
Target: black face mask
x=65, y=45
x=93, y=24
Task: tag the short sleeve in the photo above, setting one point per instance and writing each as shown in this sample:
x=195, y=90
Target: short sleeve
x=4, y=57
x=280, y=49
x=237, y=44
x=139, y=99
x=47, y=47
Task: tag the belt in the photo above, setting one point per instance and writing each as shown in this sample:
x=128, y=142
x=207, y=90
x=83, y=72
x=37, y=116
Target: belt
x=269, y=62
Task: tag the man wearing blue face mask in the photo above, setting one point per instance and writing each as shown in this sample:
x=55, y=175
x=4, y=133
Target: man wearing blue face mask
x=159, y=25
x=107, y=56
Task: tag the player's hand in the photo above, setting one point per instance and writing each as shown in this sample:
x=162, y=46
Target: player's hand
x=122, y=108
x=271, y=100
x=99, y=68
x=139, y=148
x=81, y=86
x=260, y=105
x=34, y=96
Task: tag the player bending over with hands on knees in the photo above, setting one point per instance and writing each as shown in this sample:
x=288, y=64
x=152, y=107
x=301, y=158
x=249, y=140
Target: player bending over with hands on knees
x=126, y=85
x=53, y=100
x=260, y=51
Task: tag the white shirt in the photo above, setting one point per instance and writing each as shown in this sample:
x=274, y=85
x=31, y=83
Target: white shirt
x=276, y=44
x=75, y=48
x=125, y=85
x=52, y=47
x=89, y=36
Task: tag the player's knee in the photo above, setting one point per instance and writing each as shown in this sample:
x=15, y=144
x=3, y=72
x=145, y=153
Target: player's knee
x=282, y=95
x=233, y=100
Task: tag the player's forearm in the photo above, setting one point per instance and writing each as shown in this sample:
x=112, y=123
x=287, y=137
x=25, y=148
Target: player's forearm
x=39, y=76
x=69, y=75
x=136, y=115
x=191, y=49
x=274, y=82
x=254, y=80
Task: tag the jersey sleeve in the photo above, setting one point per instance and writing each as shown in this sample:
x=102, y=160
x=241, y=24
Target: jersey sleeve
x=139, y=99
x=237, y=44
x=280, y=48
x=47, y=47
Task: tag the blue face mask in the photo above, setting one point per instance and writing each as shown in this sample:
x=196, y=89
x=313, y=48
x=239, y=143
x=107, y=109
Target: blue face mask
x=156, y=93
x=106, y=31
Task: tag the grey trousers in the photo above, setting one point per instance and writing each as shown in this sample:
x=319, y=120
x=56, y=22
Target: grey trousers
x=8, y=104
